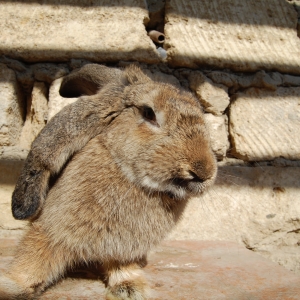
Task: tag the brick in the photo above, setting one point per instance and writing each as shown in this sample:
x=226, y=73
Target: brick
x=265, y=124
x=218, y=129
x=11, y=108
x=59, y=31
x=240, y=35
x=213, y=96
x=37, y=113
x=56, y=101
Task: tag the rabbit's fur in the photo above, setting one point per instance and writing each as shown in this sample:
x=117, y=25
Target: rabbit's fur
x=121, y=193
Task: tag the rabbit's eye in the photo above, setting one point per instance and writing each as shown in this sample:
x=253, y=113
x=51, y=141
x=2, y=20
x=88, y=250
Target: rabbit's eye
x=149, y=115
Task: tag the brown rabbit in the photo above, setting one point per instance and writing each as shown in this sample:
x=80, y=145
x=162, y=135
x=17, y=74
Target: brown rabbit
x=122, y=193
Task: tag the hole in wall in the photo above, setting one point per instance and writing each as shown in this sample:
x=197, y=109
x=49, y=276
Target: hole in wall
x=155, y=26
x=156, y=10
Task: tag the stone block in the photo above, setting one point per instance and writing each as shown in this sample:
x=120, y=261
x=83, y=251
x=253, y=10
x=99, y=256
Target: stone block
x=258, y=207
x=218, y=129
x=9, y=172
x=13, y=64
x=56, y=101
x=7, y=222
x=11, y=108
x=37, y=113
x=213, y=97
x=296, y=4
x=99, y=31
x=260, y=79
x=290, y=80
x=266, y=124
x=12, y=153
x=49, y=72
x=162, y=77
x=240, y=35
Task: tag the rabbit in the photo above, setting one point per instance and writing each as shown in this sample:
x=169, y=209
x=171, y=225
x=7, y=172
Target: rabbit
x=123, y=190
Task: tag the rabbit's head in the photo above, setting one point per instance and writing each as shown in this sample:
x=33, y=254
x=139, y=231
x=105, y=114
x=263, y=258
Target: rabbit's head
x=160, y=141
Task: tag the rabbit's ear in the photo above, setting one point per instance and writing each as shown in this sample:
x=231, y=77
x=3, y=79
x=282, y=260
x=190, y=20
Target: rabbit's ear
x=134, y=75
x=87, y=80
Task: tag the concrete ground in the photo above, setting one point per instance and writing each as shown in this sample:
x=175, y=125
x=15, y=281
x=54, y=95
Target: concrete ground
x=186, y=270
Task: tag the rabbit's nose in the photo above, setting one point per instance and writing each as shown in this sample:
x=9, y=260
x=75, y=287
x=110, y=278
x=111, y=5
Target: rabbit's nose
x=197, y=178
x=203, y=170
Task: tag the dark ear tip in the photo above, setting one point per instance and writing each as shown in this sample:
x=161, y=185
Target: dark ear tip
x=19, y=214
x=23, y=212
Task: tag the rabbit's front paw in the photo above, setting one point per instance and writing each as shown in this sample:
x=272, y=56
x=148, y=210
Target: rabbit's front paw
x=29, y=193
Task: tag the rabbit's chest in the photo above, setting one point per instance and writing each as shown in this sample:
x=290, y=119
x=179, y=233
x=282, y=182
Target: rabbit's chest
x=101, y=213
x=133, y=229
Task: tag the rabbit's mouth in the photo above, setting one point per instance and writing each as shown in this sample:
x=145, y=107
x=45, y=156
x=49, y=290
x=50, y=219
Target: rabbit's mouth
x=177, y=187
x=185, y=182
x=180, y=188
x=181, y=182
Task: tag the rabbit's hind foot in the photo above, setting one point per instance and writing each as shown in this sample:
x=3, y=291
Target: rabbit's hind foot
x=127, y=284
